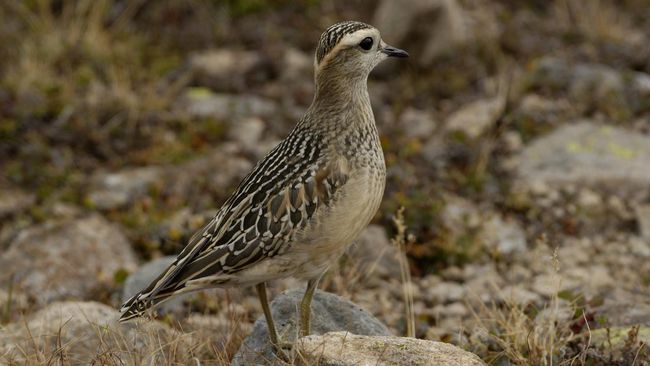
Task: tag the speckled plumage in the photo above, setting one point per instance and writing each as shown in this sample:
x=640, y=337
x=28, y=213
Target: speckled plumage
x=307, y=200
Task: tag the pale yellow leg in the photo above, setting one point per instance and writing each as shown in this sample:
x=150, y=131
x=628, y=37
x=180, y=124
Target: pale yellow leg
x=261, y=293
x=305, y=307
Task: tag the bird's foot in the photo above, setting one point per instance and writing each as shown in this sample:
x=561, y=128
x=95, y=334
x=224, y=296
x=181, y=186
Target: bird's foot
x=283, y=350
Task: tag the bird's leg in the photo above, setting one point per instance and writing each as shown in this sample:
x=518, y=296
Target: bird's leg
x=273, y=334
x=261, y=293
x=305, y=306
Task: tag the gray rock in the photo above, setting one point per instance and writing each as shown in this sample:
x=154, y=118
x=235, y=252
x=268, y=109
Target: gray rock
x=85, y=333
x=517, y=295
x=417, y=123
x=374, y=254
x=65, y=259
x=445, y=292
x=590, y=154
x=115, y=190
x=143, y=277
x=329, y=313
x=13, y=201
x=446, y=26
x=594, y=83
x=474, y=118
x=247, y=132
x=625, y=308
x=203, y=103
x=223, y=69
x=296, y=65
x=218, y=169
x=347, y=349
x=504, y=235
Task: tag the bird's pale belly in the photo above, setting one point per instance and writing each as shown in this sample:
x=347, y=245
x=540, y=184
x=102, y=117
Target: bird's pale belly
x=334, y=231
x=326, y=237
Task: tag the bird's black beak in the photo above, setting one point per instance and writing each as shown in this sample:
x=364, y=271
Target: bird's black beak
x=394, y=52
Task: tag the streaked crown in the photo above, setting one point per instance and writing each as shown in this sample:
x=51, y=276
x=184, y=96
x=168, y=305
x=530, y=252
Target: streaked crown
x=332, y=35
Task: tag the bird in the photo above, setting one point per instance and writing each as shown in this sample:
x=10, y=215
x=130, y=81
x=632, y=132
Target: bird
x=306, y=201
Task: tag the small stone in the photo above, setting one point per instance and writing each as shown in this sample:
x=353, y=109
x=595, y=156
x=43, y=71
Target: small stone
x=445, y=292
x=247, y=132
x=453, y=310
x=223, y=69
x=417, y=123
x=296, y=65
x=515, y=294
x=459, y=214
x=504, y=235
x=587, y=198
x=639, y=247
x=348, y=349
x=555, y=313
x=512, y=141
x=547, y=285
x=474, y=118
x=13, y=201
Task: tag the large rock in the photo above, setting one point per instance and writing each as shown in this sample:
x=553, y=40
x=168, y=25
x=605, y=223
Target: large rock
x=587, y=153
x=434, y=27
x=329, y=313
x=85, y=333
x=203, y=103
x=446, y=28
x=66, y=259
x=217, y=169
x=598, y=85
x=346, y=349
x=114, y=190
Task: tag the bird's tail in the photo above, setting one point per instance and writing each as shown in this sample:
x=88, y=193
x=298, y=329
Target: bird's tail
x=137, y=306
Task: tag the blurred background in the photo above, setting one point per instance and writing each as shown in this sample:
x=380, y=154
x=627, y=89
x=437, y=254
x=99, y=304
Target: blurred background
x=516, y=136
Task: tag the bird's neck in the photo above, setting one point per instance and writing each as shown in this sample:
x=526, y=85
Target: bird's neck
x=342, y=102
x=341, y=90
x=341, y=115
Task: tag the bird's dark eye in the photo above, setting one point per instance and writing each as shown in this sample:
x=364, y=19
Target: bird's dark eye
x=366, y=43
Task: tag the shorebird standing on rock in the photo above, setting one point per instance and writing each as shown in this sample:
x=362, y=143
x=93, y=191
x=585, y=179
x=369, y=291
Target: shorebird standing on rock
x=306, y=201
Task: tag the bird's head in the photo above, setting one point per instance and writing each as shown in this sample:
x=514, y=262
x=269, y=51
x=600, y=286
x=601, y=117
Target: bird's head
x=351, y=50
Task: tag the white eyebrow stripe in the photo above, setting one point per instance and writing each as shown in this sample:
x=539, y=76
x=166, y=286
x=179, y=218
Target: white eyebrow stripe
x=351, y=39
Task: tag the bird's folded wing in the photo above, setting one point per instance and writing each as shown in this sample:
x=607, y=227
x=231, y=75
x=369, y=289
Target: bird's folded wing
x=257, y=222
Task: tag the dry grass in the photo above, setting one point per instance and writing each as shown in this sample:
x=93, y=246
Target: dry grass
x=400, y=240
x=83, y=339
x=523, y=335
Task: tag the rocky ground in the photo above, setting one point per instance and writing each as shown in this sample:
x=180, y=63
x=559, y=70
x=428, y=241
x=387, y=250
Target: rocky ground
x=517, y=139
